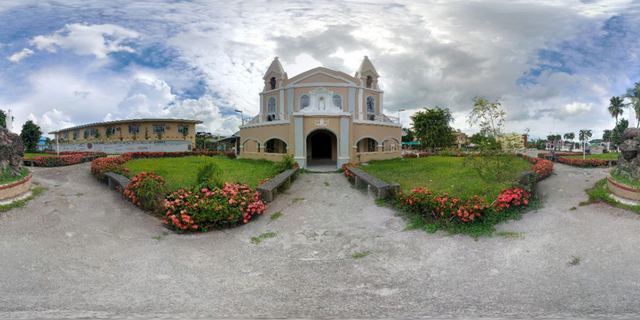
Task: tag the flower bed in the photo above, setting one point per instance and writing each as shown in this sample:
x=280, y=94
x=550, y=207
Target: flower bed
x=542, y=167
x=586, y=163
x=471, y=214
x=192, y=209
x=203, y=209
x=15, y=188
x=559, y=154
x=65, y=159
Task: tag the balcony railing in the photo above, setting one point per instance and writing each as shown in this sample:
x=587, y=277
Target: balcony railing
x=267, y=118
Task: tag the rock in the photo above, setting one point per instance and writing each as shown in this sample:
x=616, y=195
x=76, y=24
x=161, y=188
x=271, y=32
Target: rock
x=630, y=133
x=11, y=151
x=634, y=166
x=629, y=149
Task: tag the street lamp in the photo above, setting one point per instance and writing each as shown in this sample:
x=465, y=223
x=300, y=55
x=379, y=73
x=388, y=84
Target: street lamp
x=399, y=114
x=241, y=115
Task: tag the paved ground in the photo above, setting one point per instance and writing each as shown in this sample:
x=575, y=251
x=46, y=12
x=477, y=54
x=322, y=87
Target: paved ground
x=80, y=251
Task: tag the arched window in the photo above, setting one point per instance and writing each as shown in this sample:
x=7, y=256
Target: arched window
x=271, y=109
x=273, y=83
x=369, y=81
x=304, y=101
x=371, y=108
x=337, y=101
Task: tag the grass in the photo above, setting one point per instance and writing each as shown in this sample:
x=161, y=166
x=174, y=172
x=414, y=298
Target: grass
x=382, y=202
x=575, y=261
x=276, y=215
x=604, y=156
x=258, y=239
x=160, y=237
x=625, y=179
x=297, y=199
x=600, y=193
x=511, y=235
x=361, y=255
x=326, y=184
x=33, y=155
x=446, y=174
x=21, y=203
x=181, y=172
x=6, y=178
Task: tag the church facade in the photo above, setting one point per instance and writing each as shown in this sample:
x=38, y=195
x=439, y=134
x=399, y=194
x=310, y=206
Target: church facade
x=321, y=116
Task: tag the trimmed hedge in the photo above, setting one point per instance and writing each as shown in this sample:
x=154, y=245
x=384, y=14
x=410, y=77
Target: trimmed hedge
x=65, y=159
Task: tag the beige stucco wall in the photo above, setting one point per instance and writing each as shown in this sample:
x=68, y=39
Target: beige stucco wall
x=170, y=133
x=15, y=191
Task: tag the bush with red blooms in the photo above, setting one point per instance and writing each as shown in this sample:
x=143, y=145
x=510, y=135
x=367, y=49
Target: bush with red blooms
x=65, y=159
x=542, y=167
x=146, y=190
x=410, y=155
x=559, y=154
x=349, y=175
x=443, y=206
x=109, y=164
x=583, y=163
x=203, y=209
x=511, y=197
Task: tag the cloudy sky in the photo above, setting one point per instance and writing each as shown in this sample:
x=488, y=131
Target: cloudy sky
x=554, y=65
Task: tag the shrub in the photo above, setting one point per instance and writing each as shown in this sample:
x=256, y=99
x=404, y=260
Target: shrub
x=349, y=175
x=146, y=190
x=210, y=175
x=202, y=209
x=442, y=206
x=65, y=159
x=542, y=167
x=287, y=163
x=582, y=163
x=103, y=165
x=511, y=197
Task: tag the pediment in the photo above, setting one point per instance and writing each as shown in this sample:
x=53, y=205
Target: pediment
x=321, y=77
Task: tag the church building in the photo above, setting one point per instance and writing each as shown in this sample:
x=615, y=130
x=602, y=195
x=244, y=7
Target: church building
x=322, y=117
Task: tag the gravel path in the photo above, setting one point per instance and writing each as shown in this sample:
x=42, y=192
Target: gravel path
x=78, y=250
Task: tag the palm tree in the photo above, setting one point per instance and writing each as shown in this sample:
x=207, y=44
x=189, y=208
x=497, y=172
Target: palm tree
x=634, y=95
x=570, y=136
x=616, y=107
x=584, y=137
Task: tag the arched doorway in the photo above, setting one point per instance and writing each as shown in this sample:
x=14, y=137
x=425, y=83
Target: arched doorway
x=322, y=149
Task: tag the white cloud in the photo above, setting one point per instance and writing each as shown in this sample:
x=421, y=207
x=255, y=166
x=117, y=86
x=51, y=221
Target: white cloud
x=97, y=40
x=16, y=57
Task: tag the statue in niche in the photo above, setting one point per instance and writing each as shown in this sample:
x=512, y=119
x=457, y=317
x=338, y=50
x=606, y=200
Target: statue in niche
x=369, y=81
x=321, y=105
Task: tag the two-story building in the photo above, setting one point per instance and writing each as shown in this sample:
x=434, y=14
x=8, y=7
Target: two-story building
x=322, y=117
x=131, y=135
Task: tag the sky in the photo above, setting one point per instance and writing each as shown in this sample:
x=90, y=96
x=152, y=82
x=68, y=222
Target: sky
x=553, y=65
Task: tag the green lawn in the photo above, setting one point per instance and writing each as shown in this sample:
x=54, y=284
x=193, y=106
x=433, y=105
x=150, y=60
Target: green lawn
x=447, y=174
x=604, y=156
x=6, y=178
x=181, y=172
x=33, y=155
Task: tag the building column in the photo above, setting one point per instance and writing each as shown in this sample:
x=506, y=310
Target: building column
x=261, y=106
x=290, y=96
x=281, y=113
x=299, y=154
x=360, y=109
x=343, y=151
x=352, y=101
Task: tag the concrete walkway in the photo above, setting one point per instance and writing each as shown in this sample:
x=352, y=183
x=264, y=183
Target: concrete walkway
x=78, y=250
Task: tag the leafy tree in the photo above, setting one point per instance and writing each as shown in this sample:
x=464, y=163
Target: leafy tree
x=569, y=136
x=96, y=134
x=488, y=116
x=107, y=132
x=616, y=107
x=30, y=135
x=432, y=129
x=618, y=130
x=409, y=136
x=606, y=135
x=634, y=95
x=3, y=119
